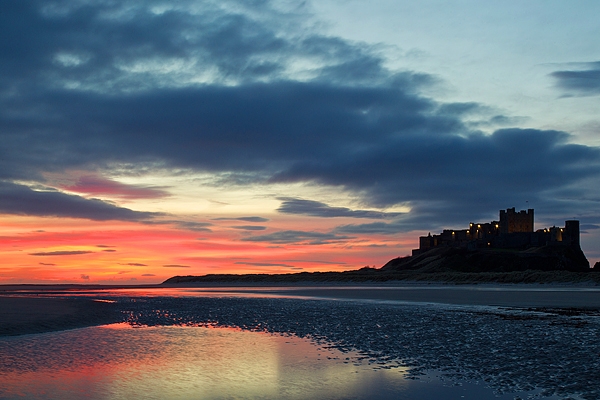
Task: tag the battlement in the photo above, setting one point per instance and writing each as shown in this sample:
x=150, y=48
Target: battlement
x=512, y=221
x=514, y=230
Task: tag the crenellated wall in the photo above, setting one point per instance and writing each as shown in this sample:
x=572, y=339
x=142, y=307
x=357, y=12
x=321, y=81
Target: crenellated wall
x=514, y=230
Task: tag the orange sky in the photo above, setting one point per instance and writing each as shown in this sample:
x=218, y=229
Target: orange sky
x=62, y=250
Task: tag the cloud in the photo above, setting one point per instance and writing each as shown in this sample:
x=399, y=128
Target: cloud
x=254, y=90
x=246, y=219
x=317, y=209
x=316, y=262
x=85, y=277
x=22, y=200
x=109, y=251
x=250, y=227
x=104, y=246
x=148, y=275
x=48, y=264
x=123, y=272
x=194, y=226
x=579, y=82
x=298, y=237
x=375, y=228
x=61, y=253
x=454, y=173
x=176, y=266
x=98, y=186
x=258, y=264
x=588, y=227
x=134, y=264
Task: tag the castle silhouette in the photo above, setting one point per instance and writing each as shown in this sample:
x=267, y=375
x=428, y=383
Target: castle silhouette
x=514, y=230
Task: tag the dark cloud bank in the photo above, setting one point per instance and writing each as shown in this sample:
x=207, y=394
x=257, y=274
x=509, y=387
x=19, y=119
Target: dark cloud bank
x=22, y=200
x=90, y=85
x=585, y=82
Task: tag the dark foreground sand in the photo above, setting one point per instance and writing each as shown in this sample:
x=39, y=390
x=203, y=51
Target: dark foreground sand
x=24, y=315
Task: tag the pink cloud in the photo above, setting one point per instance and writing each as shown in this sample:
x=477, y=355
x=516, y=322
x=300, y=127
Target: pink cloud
x=98, y=186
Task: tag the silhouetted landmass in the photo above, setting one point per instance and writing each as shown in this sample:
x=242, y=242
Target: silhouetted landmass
x=545, y=258
x=503, y=251
x=548, y=264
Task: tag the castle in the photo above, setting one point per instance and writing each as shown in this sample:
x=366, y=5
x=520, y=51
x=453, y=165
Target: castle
x=514, y=230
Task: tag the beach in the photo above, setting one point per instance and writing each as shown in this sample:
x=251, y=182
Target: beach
x=521, y=296
x=509, y=338
x=38, y=314
x=38, y=308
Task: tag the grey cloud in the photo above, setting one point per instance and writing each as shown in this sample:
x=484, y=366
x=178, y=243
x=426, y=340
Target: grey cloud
x=250, y=227
x=110, y=82
x=456, y=109
x=148, y=275
x=589, y=226
x=61, y=253
x=135, y=264
x=374, y=228
x=188, y=225
x=126, y=46
x=195, y=226
x=317, y=209
x=21, y=200
x=579, y=82
x=176, y=266
x=316, y=262
x=246, y=219
x=474, y=173
x=291, y=236
x=265, y=264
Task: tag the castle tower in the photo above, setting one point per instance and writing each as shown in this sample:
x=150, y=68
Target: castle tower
x=571, y=233
x=512, y=221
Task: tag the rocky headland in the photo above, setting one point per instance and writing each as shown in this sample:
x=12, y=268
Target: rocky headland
x=547, y=264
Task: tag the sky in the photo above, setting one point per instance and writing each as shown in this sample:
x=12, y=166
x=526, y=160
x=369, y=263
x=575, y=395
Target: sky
x=145, y=139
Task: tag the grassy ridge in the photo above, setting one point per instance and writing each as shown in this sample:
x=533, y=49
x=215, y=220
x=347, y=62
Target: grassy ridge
x=377, y=275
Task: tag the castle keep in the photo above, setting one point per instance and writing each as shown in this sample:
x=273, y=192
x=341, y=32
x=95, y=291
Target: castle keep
x=513, y=230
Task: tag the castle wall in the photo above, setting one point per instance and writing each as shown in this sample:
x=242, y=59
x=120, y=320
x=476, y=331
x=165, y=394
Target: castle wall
x=513, y=231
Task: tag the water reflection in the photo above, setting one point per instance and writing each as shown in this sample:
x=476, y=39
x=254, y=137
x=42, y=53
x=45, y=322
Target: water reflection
x=120, y=362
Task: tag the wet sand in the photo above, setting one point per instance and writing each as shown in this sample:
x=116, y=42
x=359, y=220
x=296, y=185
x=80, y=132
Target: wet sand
x=40, y=310
x=25, y=315
x=506, y=296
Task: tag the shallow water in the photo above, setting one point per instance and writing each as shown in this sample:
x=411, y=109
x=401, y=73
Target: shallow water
x=121, y=362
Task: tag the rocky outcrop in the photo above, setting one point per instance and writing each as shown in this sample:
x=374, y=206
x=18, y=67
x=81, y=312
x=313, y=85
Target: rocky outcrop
x=441, y=259
x=442, y=264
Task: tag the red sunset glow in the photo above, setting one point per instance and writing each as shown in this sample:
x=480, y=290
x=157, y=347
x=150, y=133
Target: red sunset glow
x=76, y=251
